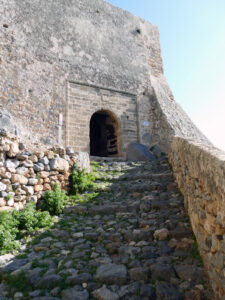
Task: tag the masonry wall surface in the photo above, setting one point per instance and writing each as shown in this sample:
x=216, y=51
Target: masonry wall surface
x=83, y=101
x=25, y=175
x=199, y=170
x=44, y=45
x=200, y=174
x=47, y=44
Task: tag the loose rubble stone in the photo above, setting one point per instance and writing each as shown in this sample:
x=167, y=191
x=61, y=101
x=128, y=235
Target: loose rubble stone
x=39, y=167
x=16, y=178
x=105, y=294
x=147, y=290
x=73, y=294
x=59, y=164
x=138, y=274
x=2, y=186
x=112, y=274
x=79, y=278
x=22, y=171
x=166, y=291
x=12, y=164
x=162, y=272
x=161, y=234
x=49, y=281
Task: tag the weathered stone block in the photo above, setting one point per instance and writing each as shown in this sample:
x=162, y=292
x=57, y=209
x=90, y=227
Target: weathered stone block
x=59, y=164
x=16, y=178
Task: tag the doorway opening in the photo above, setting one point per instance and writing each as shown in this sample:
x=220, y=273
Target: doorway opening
x=104, y=134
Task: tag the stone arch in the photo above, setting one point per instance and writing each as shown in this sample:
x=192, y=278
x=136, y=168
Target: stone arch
x=105, y=134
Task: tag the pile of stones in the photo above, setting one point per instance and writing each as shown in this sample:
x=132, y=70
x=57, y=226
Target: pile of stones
x=25, y=175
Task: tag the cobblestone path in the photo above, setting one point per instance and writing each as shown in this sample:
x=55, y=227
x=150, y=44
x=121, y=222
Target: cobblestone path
x=133, y=241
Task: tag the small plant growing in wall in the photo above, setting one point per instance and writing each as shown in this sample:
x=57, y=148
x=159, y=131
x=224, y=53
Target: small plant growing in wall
x=8, y=197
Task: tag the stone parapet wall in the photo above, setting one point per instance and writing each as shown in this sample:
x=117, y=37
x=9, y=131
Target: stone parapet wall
x=168, y=119
x=25, y=175
x=200, y=174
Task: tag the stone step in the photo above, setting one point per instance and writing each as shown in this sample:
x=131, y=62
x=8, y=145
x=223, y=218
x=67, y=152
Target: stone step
x=140, y=187
x=143, y=176
x=107, y=159
x=134, y=241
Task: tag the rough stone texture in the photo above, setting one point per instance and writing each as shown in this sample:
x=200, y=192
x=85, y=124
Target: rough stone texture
x=7, y=122
x=29, y=180
x=161, y=234
x=50, y=63
x=199, y=171
x=59, y=164
x=73, y=294
x=84, y=101
x=46, y=46
x=168, y=118
x=104, y=253
x=138, y=152
x=112, y=273
x=105, y=294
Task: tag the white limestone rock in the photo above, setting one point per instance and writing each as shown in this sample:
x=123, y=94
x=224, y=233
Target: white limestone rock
x=17, y=178
x=59, y=164
x=2, y=187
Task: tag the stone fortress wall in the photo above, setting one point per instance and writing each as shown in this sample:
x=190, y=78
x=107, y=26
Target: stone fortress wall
x=200, y=174
x=56, y=52
x=45, y=46
x=199, y=170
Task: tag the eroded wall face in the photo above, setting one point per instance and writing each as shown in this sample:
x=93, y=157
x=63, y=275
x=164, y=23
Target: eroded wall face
x=198, y=170
x=47, y=43
x=83, y=101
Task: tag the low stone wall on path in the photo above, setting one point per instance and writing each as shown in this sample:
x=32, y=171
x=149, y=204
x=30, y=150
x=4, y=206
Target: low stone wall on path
x=25, y=175
x=200, y=174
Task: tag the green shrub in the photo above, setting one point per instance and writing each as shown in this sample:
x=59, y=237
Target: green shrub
x=44, y=219
x=8, y=232
x=80, y=181
x=30, y=219
x=54, y=201
x=11, y=224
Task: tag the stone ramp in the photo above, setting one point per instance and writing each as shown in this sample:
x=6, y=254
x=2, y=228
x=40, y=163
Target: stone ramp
x=128, y=243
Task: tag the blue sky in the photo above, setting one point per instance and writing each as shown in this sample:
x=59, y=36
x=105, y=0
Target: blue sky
x=192, y=37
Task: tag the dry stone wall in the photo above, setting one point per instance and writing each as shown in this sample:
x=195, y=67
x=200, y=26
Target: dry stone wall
x=200, y=174
x=25, y=175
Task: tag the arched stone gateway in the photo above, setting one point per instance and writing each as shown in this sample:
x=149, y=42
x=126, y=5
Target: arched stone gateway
x=105, y=134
